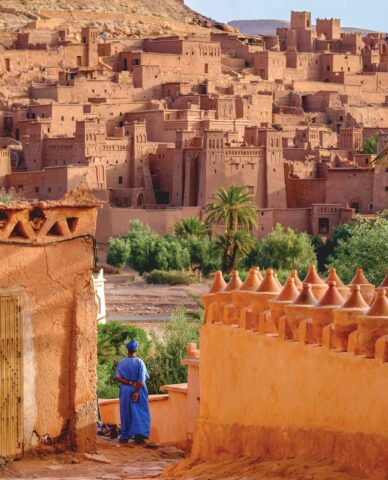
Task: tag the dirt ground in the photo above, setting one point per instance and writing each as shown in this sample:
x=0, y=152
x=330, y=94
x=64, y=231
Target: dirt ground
x=114, y=461
x=128, y=462
x=254, y=469
x=127, y=294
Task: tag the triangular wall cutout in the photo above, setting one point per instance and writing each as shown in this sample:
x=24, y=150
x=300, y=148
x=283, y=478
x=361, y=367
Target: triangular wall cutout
x=72, y=223
x=55, y=230
x=18, y=231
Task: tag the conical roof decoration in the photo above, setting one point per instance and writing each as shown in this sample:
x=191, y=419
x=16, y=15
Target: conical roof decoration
x=297, y=280
x=289, y=293
x=269, y=284
x=332, y=297
x=384, y=283
x=306, y=296
x=277, y=280
x=218, y=284
x=355, y=300
x=333, y=277
x=235, y=282
x=258, y=273
x=313, y=277
x=252, y=282
x=379, y=307
x=359, y=278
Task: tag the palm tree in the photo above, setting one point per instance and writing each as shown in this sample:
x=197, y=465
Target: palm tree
x=370, y=145
x=233, y=208
x=190, y=227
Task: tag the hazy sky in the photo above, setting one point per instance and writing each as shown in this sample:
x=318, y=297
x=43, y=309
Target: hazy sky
x=372, y=14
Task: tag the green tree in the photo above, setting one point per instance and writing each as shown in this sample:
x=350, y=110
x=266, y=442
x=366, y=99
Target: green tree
x=370, y=145
x=119, y=250
x=283, y=249
x=365, y=246
x=190, y=227
x=234, y=209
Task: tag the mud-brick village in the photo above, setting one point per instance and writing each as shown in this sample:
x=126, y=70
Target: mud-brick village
x=193, y=240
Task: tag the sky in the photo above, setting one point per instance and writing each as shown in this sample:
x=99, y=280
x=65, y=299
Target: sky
x=369, y=14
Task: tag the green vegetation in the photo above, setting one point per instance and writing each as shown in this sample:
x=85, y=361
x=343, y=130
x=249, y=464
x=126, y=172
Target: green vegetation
x=162, y=352
x=111, y=340
x=364, y=244
x=172, y=277
x=283, y=249
x=234, y=209
x=371, y=144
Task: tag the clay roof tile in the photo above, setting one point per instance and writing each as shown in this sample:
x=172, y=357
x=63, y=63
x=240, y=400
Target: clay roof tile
x=289, y=293
x=331, y=297
x=379, y=307
x=355, y=300
x=359, y=278
x=235, y=282
x=252, y=282
x=384, y=283
x=218, y=284
x=333, y=277
x=269, y=284
x=312, y=277
x=297, y=280
x=306, y=296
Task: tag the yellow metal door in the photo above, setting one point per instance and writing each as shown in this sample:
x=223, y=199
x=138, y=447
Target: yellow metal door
x=11, y=376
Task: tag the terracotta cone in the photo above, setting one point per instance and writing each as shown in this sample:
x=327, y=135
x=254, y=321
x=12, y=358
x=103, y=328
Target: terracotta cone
x=359, y=278
x=235, y=282
x=252, y=282
x=379, y=307
x=306, y=296
x=384, y=283
x=331, y=297
x=333, y=277
x=297, y=280
x=269, y=284
x=258, y=273
x=278, y=281
x=355, y=300
x=218, y=284
x=289, y=293
x=313, y=277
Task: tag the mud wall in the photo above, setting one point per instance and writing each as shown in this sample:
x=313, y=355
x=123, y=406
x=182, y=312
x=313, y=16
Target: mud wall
x=264, y=397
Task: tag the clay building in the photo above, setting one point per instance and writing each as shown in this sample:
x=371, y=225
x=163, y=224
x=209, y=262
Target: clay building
x=155, y=125
x=48, y=316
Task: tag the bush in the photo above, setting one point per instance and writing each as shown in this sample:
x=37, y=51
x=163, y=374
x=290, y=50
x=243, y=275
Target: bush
x=365, y=245
x=150, y=251
x=172, y=277
x=111, y=340
x=283, y=249
x=119, y=250
x=169, y=349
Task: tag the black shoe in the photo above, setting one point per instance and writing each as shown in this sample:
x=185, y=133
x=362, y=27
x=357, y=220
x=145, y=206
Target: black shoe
x=139, y=439
x=123, y=440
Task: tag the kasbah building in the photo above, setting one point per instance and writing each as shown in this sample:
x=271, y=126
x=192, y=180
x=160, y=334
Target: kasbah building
x=106, y=132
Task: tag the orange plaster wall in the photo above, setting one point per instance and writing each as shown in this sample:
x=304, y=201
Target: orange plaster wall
x=261, y=396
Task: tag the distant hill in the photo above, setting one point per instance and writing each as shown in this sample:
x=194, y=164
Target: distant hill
x=268, y=27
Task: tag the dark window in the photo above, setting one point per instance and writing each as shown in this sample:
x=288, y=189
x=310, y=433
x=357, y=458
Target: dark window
x=36, y=189
x=323, y=226
x=120, y=180
x=48, y=189
x=356, y=206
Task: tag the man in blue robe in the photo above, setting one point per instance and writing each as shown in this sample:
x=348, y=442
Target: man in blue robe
x=134, y=409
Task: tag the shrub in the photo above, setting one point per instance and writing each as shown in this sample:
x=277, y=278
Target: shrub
x=111, y=340
x=365, y=245
x=283, y=249
x=169, y=349
x=118, y=252
x=172, y=277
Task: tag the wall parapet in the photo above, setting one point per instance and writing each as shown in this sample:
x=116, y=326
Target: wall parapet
x=352, y=319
